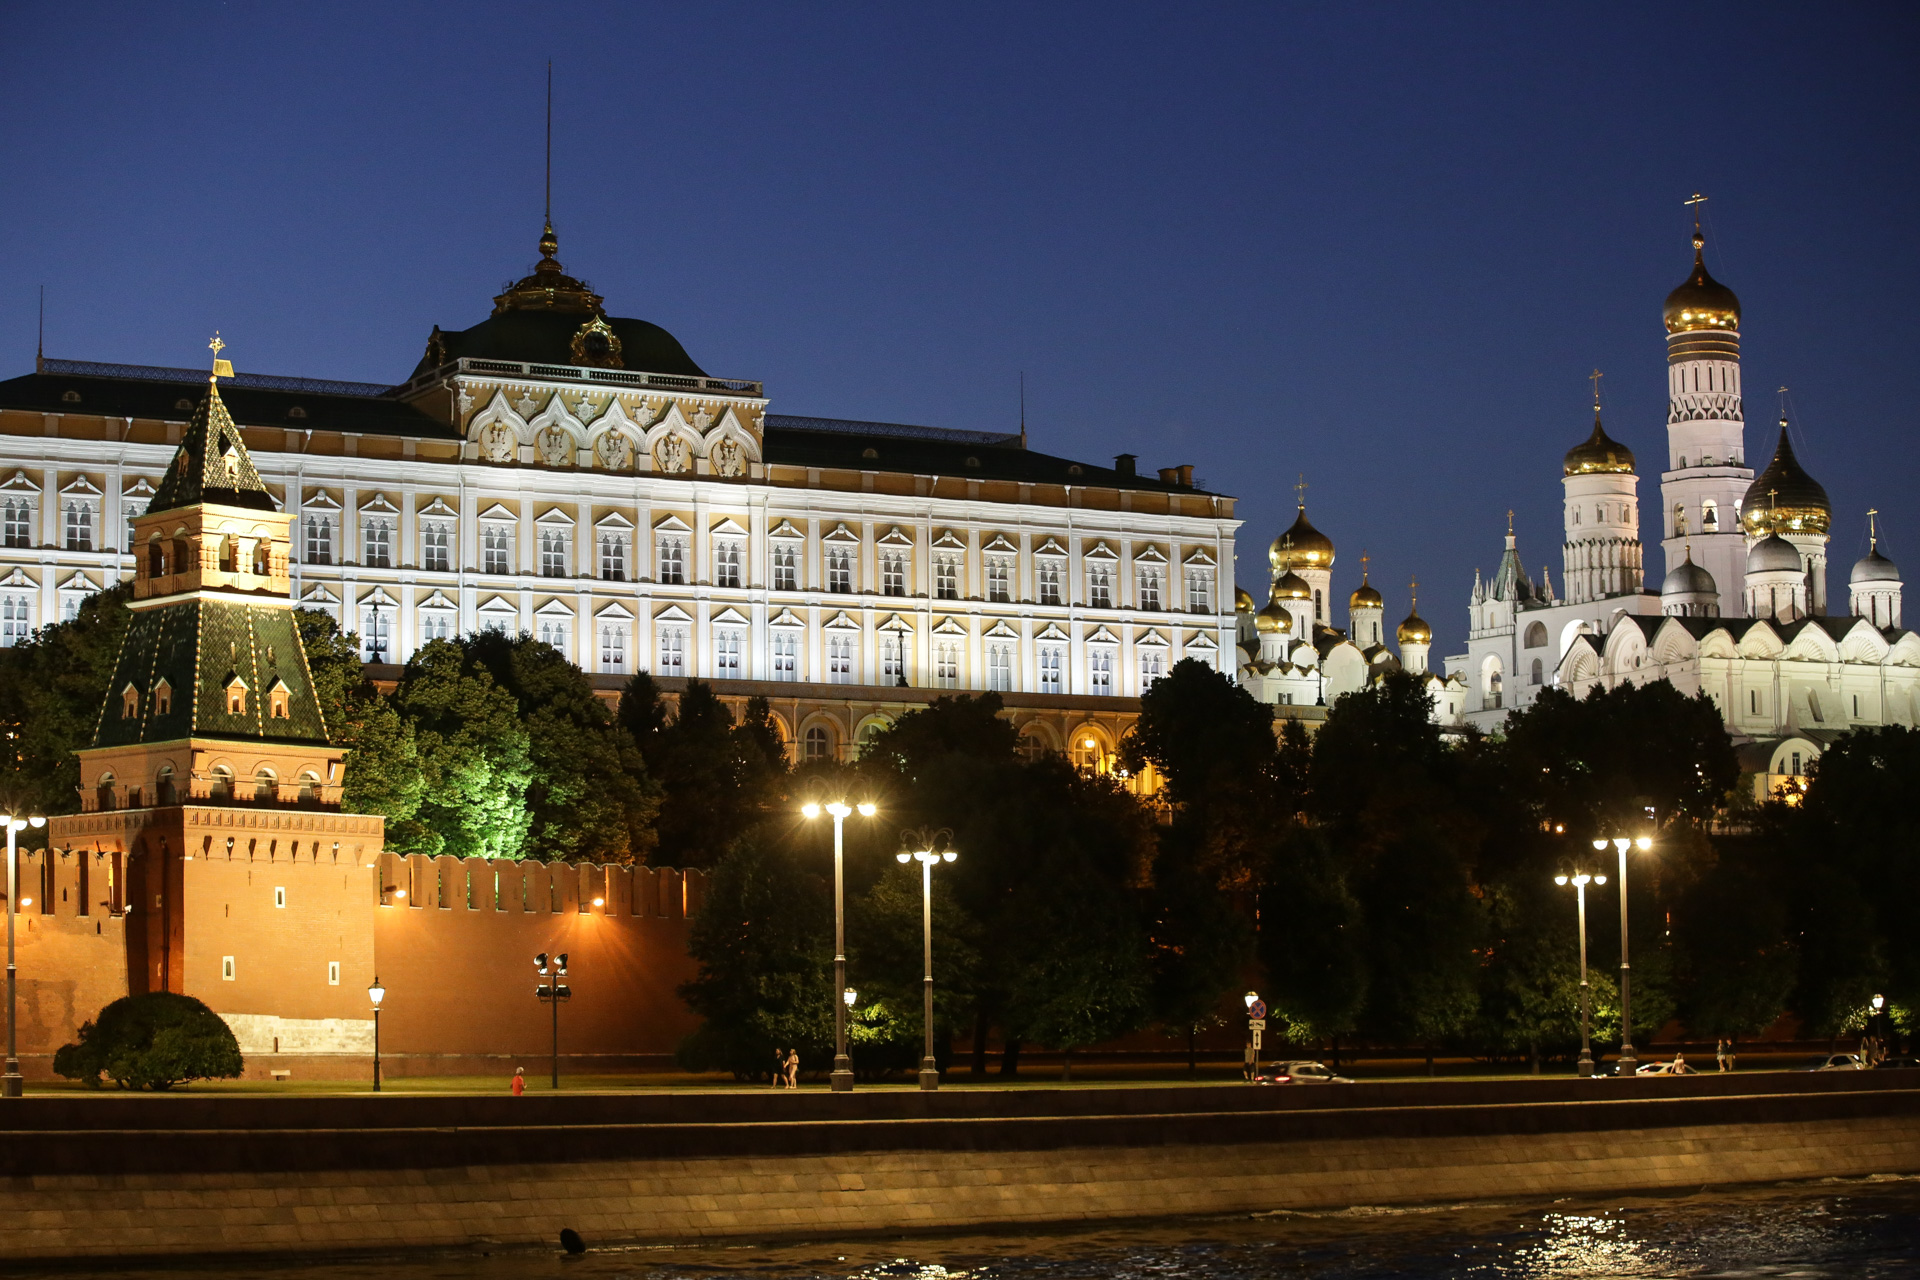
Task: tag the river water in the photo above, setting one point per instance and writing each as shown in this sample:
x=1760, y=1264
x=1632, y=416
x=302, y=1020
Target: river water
x=1863, y=1230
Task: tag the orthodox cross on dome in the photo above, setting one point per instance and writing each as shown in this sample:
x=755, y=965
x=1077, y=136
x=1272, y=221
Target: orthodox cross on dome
x=1300, y=491
x=1413, y=592
x=221, y=368
x=1364, y=557
x=1594, y=378
x=1873, y=532
x=1509, y=522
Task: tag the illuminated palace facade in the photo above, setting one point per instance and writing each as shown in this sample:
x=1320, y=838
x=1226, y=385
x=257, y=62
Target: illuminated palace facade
x=576, y=476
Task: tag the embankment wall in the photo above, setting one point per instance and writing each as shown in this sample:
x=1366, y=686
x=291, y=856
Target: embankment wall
x=127, y=1177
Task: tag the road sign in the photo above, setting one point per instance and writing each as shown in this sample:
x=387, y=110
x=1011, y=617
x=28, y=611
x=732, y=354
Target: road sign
x=1258, y=1024
x=1256, y=1037
x=1257, y=1010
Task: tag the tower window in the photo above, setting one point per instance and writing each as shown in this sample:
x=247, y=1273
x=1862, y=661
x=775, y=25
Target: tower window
x=130, y=704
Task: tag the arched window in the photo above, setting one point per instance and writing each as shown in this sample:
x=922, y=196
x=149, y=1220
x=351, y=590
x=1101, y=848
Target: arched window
x=103, y=794
x=1537, y=671
x=1536, y=636
x=819, y=743
x=309, y=788
x=156, y=559
x=1709, y=514
x=220, y=783
x=266, y=787
x=262, y=558
x=163, y=786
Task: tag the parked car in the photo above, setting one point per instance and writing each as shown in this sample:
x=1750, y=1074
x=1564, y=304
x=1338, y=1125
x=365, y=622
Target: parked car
x=1838, y=1062
x=1303, y=1073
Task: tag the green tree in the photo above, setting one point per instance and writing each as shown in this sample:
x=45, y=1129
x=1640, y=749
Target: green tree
x=718, y=779
x=53, y=687
x=474, y=755
x=884, y=940
x=151, y=1041
x=1737, y=955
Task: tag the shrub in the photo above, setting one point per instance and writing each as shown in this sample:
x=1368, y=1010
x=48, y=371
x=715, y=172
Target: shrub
x=151, y=1041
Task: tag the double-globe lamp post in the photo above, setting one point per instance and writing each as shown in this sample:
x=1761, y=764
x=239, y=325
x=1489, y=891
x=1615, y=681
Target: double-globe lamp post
x=1629, y=1062
x=927, y=848
x=14, y=1084
x=1580, y=881
x=553, y=991
x=842, y=1064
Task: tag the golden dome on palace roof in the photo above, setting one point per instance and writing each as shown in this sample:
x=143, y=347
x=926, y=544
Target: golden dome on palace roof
x=1301, y=547
x=1702, y=302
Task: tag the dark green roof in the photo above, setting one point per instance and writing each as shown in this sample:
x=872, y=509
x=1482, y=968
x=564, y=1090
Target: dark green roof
x=139, y=393
x=198, y=647
x=212, y=464
x=546, y=337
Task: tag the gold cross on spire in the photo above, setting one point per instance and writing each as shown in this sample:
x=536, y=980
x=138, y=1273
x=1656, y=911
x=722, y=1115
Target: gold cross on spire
x=1696, y=201
x=1300, y=490
x=1594, y=378
x=1364, y=557
x=1873, y=531
x=221, y=368
x=1509, y=521
x=1413, y=590
x=1783, y=406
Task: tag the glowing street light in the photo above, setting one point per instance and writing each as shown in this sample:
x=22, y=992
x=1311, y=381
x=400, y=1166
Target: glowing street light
x=927, y=848
x=1580, y=883
x=553, y=991
x=1629, y=1061
x=842, y=1064
x=13, y=1084
x=376, y=993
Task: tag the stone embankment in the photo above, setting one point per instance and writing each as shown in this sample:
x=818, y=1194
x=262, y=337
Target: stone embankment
x=123, y=1176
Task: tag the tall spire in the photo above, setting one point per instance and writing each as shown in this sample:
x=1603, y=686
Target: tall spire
x=212, y=463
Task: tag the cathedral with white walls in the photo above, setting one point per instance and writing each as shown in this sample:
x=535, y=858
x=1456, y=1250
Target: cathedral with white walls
x=1743, y=610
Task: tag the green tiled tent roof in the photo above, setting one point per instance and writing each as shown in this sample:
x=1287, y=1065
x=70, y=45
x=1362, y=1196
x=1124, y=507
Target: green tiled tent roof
x=212, y=464
x=197, y=646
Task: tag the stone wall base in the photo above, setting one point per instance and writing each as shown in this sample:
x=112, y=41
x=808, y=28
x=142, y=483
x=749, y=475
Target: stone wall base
x=659, y=1199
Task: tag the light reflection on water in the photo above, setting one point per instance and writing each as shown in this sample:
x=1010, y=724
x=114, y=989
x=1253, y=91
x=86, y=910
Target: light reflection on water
x=1861, y=1230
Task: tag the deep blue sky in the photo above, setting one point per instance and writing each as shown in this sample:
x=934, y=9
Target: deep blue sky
x=1380, y=245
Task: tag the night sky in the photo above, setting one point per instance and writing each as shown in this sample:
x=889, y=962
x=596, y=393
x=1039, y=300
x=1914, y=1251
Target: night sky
x=1378, y=246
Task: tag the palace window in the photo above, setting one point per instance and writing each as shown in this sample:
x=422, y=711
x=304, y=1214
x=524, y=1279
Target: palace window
x=16, y=522
x=1099, y=670
x=553, y=553
x=1149, y=587
x=1051, y=659
x=613, y=556
x=79, y=525
x=319, y=539
x=726, y=562
x=1000, y=668
x=839, y=570
x=946, y=665
x=16, y=619
x=786, y=655
x=554, y=631
x=379, y=549
x=946, y=577
x=839, y=659
x=131, y=512
x=1200, y=590
x=375, y=630
x=893, y=665
x=496, y=548
x=893, y=573
x=786, y=567
x=1152, y=663
x=673, y=560
x=436, y=545
x=1100, y=585
x=613, y=647
x=673, y=651
x=819, y=746
x=726, y=654
x=435, y=624
x=1049, y=581
x=999, y=579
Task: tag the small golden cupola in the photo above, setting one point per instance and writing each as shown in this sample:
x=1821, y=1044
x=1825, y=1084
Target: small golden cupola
x=1701, y=302
x=1365, y=597
x=1598, y=454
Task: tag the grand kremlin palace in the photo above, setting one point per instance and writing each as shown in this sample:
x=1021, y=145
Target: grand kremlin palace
x=562, y=472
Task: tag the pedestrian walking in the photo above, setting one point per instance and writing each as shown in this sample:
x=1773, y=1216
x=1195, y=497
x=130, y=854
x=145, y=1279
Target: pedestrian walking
x=1723, y=1053
x=779, y=1077
x=793, y=1069
x=519, y=1081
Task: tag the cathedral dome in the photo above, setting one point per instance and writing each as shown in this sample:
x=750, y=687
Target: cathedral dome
x=1873, y=567
x=1301, y=547
x=1773, y=554
x=1273, y=618
x=550, y=317
x=1784, y=498
x=1414, y=630
x=1702, y=302
x=1689, y=579
x=1365, y=597
x=1291, y=586
x=1599, y=454
x=1242, y=602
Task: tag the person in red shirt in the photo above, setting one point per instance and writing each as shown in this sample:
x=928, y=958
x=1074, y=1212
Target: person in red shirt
x=519, y=1081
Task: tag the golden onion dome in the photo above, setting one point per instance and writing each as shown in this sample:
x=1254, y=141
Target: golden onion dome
x=1784, y=498
x=1242, y=601
x=1273, y=618
x=1702, y=302
x=1365, y=597
x=1291, y=586
x=1599, y=455
x=1415, y=629
x=1301, y=547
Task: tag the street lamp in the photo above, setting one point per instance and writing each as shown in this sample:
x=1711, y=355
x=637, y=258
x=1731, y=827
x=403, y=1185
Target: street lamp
x=1629, y=1062
x=926, y=848
x=1256, y=1023
x=12, y=1085
x=1880, y=1029
x=376, y=993
x=1580, y=883
x=553, y=992
x=842, y=1064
